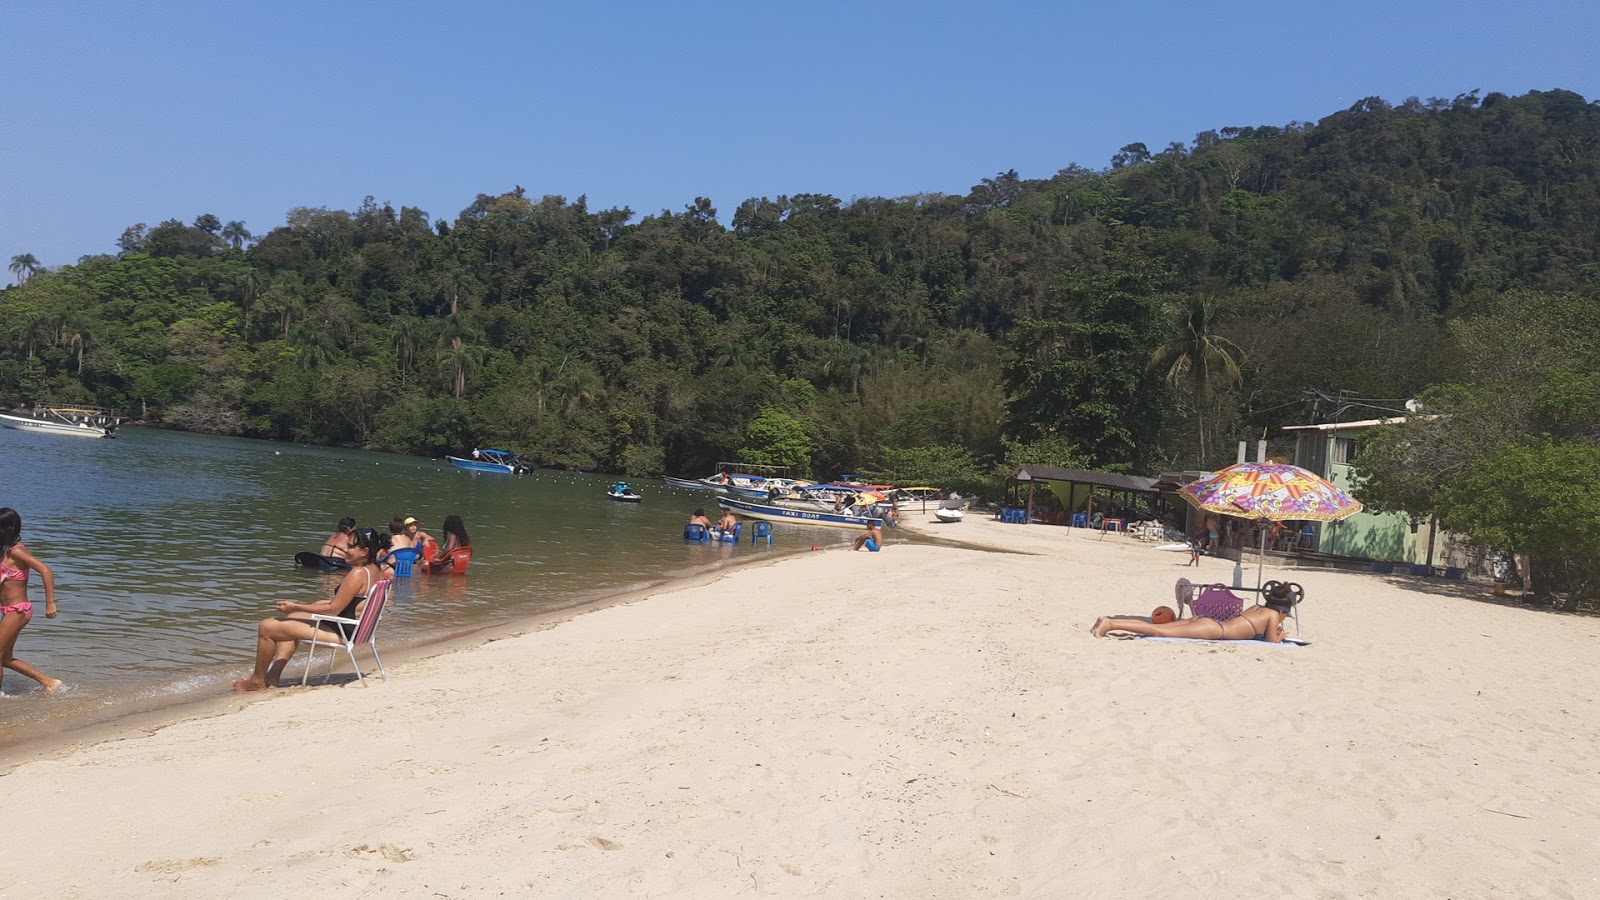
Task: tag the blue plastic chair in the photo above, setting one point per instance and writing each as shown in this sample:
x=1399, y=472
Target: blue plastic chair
x=1080, y=520
x=404, y=561
x=693, y=532
x=763, y=530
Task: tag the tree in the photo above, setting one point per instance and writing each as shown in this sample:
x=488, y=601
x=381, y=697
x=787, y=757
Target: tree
x=775, y=438
x=23, y=266
x=1198, y=358
x=458, y=362
x=1541, y=498
x=236, y=234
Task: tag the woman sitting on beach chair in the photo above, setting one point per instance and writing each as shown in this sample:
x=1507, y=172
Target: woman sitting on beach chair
x=1256, y=623
x=277, y=638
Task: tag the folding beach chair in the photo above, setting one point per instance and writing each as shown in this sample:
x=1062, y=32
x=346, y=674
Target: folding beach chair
x=365, y=633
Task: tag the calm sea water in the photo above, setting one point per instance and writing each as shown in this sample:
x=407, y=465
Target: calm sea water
x=168, y=548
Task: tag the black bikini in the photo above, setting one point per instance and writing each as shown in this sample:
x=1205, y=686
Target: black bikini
x=344, y=629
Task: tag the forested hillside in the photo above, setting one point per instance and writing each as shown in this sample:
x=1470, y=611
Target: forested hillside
x=1093, y=317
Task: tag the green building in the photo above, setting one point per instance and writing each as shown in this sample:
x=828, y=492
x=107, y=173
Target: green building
x=1328, y=450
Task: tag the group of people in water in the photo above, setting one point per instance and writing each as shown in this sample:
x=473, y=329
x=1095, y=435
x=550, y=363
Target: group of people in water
x=404, y=532
x=368, y=553
x=725, y=528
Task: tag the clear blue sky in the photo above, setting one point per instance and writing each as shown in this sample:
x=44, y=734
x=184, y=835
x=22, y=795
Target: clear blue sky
x=114, y=113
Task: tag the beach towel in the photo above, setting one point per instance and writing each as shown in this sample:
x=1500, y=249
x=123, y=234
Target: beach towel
x=1287, y=642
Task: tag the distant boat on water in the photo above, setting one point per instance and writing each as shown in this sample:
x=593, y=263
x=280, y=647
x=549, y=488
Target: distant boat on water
x=503, y=462
x=77, y=421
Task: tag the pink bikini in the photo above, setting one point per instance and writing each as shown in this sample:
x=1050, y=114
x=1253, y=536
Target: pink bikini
x=9, y=572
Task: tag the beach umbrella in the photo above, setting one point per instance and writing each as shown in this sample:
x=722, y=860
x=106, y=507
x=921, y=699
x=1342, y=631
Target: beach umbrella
x=1270, y=492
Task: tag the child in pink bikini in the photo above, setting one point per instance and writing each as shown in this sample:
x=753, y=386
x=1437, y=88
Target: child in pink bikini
x=15, y=610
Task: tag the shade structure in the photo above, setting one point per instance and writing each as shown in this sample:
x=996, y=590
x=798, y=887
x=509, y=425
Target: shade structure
x=1274, y=492
x=1270, y=492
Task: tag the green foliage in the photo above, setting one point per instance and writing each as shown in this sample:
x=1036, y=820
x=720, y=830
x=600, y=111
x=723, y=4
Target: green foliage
x=949, y=467
x=775, y=438
x=1383, y=251
x=1540, y=497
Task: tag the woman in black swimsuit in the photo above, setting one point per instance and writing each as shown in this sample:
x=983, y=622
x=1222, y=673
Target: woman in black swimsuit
x=1256, y=623
x=277, y=638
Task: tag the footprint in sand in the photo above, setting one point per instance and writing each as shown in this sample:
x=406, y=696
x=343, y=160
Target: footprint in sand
x=387, y=851
x=173, y=869
x=603, y=844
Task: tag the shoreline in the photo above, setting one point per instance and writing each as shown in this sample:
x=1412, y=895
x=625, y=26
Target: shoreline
x=87, y=729
x=897, y=724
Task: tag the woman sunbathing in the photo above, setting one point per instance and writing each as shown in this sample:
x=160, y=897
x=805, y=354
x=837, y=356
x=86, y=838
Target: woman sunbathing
x=1256, y=623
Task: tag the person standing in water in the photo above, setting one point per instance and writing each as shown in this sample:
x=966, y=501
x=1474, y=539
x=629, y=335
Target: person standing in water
x=15, y=610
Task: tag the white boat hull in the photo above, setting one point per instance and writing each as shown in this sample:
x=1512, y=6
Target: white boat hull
x=949, y=515
x=23, y=423
x=771, y=513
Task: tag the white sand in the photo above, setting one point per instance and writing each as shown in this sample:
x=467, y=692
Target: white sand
x=923, y=722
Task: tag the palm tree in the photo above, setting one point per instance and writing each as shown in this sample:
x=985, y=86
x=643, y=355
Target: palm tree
x=23, y=266
x=315, y=346
x=458, y=362
x=30, y=334
x=1199, y=358
x=236, y=234
x=407, y=334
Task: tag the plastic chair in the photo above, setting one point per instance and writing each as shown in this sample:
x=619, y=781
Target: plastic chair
x=696, y=532
x=455, y=562
x=365, y=633
x=403, y=560
x=1080, y=520
x=1212, y=601
x=763, y=530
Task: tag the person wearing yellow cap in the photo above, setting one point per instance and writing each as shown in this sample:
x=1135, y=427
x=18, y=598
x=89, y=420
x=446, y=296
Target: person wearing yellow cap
x=419, y=539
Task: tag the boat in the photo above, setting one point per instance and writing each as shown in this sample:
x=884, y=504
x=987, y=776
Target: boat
x=774, y=513
x=732, y=479
x=952, y=510
x=78, y=421
x=484, y=460
x=623, y=493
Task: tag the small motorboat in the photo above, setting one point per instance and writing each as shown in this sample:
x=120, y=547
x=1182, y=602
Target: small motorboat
x=622, y=492
x=952, y=510
x=91, y=422
x=484, y=460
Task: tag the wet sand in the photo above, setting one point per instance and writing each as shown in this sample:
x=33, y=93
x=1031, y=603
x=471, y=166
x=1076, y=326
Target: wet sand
x=929, y=721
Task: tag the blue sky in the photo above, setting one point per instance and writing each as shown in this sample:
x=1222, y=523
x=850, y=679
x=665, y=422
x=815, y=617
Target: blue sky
x=114, y=113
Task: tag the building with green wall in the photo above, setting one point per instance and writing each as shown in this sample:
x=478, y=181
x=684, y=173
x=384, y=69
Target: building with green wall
x=1329, y=450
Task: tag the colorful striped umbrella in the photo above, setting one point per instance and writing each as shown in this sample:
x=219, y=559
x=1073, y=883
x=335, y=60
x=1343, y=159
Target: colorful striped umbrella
x=1276, y=492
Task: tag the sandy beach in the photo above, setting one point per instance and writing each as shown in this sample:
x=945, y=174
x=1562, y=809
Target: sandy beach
x=925, y=722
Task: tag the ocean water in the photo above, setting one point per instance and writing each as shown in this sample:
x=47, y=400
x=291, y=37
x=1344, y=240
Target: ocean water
x=168, y=548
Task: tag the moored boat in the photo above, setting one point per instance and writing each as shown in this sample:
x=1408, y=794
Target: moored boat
x=503, y=462
x=773, y=513
x=77, y=421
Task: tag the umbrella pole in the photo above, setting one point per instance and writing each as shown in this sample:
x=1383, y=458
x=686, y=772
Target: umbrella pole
x=1261, y=556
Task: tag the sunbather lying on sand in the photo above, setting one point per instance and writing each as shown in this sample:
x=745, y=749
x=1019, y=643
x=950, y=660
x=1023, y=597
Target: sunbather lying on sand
x=1258, y=622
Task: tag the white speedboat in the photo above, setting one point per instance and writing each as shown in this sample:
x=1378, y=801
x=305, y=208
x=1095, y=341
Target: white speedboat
x=72, y=420
x=773, y=513
x=949, y=515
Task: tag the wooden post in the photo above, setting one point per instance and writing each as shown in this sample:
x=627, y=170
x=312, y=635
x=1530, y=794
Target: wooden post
x=1030, y=501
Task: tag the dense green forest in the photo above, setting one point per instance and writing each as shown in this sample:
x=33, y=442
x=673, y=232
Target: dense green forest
x=1139, y=317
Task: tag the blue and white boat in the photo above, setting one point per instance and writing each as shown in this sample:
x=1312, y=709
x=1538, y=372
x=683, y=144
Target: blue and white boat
x=771, y=513
x=503, y=462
